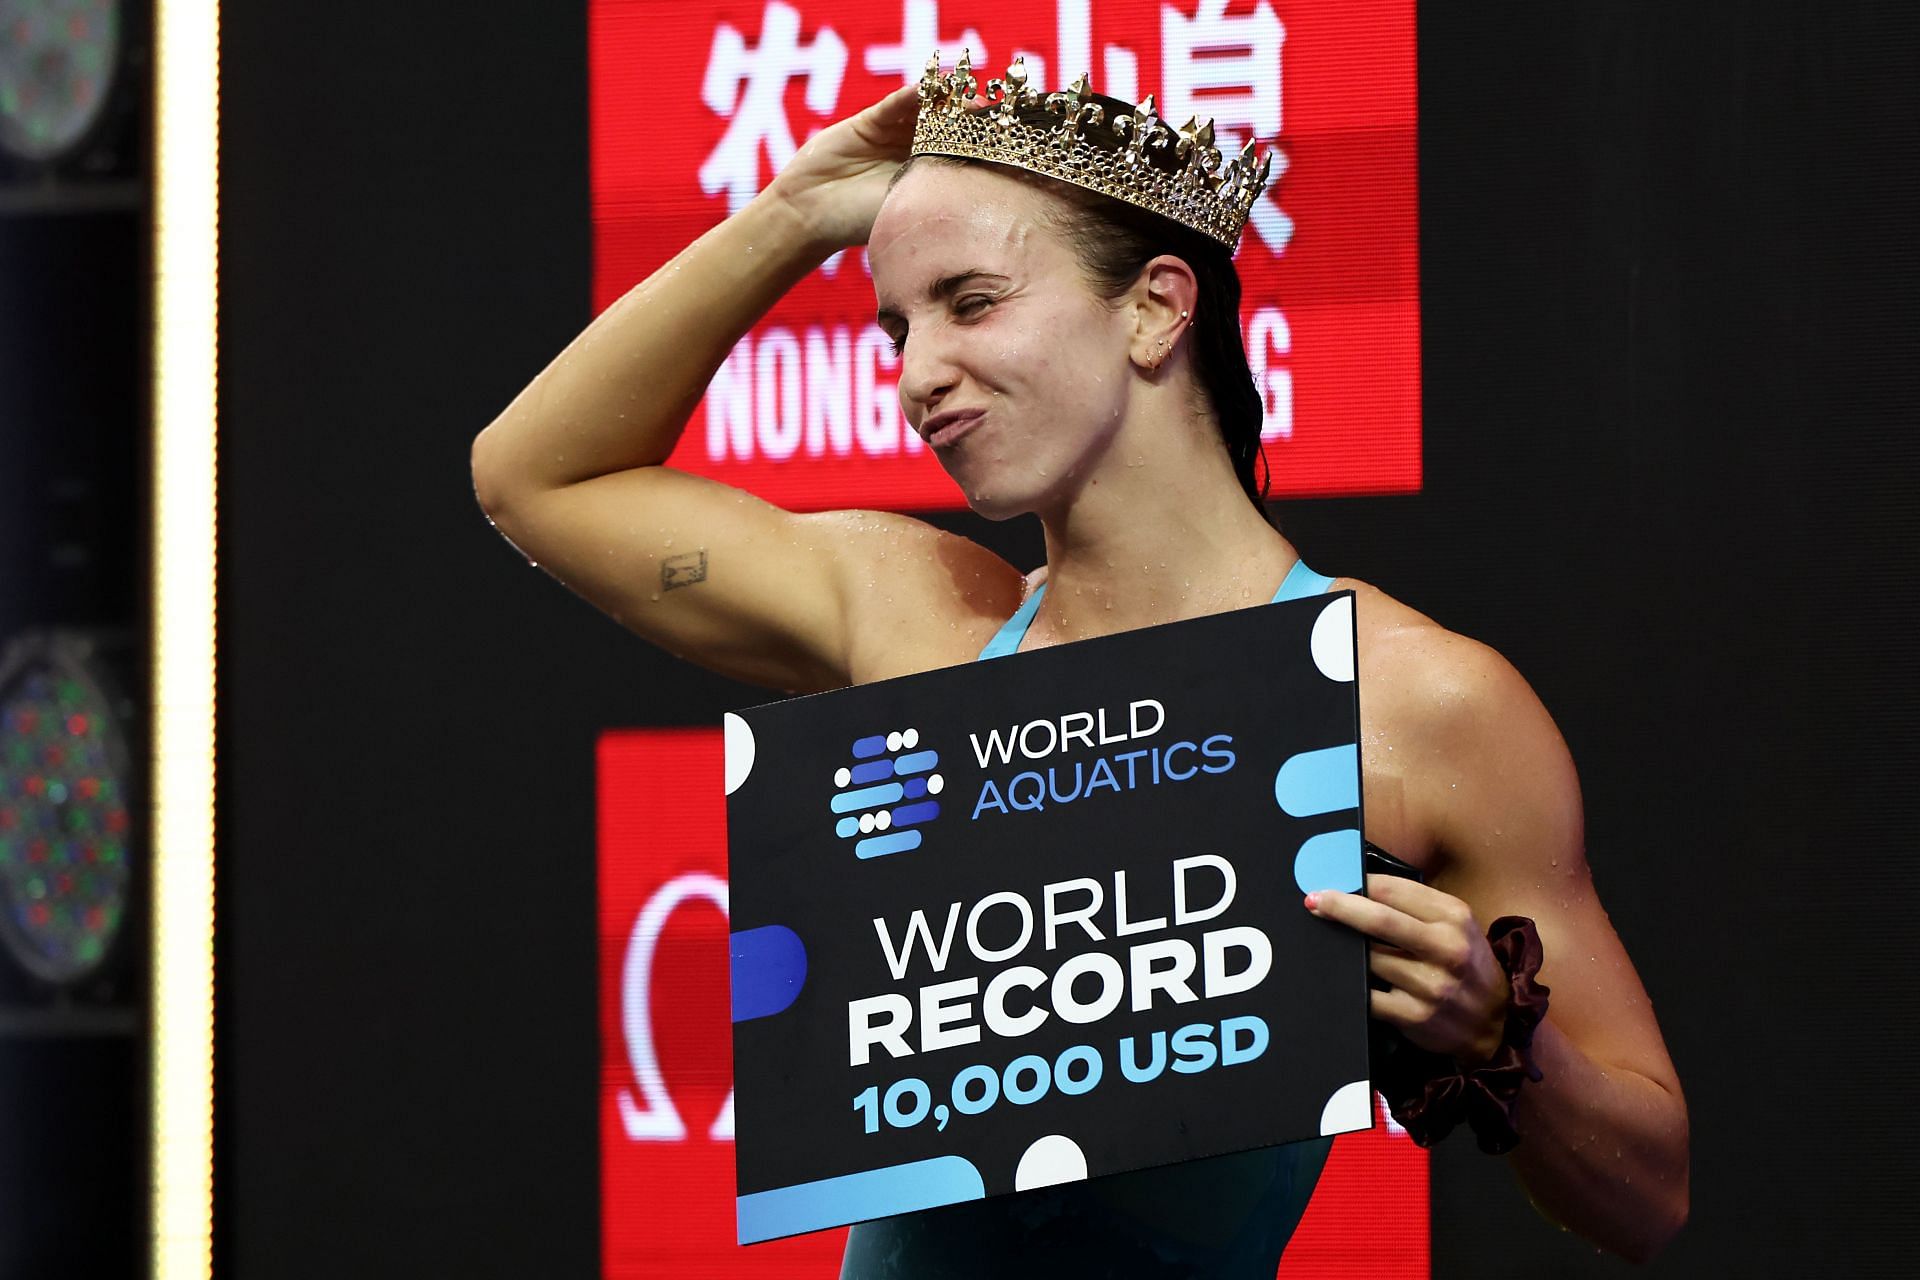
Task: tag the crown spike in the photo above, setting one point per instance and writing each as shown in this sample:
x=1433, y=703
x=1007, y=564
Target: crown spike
x=1260, y=178
x=1071, y=103
x=1141, y=130
x=1237, y=174
x=933, y=86
x=964, y=83
x=1011, y=94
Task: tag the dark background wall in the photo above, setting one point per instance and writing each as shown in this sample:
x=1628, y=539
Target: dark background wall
x=1668, y=412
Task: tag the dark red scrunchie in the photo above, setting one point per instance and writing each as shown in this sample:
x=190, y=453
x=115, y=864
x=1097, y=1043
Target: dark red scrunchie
x=1429, y=1094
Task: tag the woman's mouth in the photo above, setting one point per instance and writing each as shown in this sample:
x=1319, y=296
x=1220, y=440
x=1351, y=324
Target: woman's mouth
x=945, y=428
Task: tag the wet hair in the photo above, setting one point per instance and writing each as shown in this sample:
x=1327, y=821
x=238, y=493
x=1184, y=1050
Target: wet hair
x=1113, y=242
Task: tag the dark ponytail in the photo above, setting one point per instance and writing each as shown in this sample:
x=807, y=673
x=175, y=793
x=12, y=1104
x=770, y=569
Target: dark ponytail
x=1114, y=242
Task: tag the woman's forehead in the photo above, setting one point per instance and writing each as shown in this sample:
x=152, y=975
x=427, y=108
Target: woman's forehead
x=939, y=213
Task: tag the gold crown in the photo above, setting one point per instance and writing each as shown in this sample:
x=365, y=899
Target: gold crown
x=1092, y=141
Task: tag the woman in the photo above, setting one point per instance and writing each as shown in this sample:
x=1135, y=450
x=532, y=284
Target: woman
x=1075, y=357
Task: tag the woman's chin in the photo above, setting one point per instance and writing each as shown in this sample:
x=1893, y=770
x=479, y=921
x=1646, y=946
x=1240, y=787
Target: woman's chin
x=1003, y=501
x=997, y=488
x=995, y=497
x=996, y=507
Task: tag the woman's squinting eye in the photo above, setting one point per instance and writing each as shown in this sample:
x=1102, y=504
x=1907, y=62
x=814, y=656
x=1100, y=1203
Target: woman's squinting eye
x=966, y=308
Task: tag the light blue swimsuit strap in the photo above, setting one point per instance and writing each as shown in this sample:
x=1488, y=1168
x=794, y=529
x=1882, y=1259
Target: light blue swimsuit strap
x=1299, y=583
x=1014, y=629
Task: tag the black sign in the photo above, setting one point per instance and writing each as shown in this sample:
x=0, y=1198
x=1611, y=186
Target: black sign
x=1035, y=919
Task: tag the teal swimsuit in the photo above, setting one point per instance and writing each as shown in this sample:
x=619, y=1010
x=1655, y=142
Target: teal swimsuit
x=1226, y=1218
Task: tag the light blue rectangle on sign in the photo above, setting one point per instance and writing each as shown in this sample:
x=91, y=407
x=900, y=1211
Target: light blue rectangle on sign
x=1330, y=860
x=918, y=762
x=866, y=797
x=858, y=1197
x=1316, y=782
x=891, y=842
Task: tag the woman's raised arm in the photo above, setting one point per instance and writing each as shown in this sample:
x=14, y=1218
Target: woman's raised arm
x=571, y=471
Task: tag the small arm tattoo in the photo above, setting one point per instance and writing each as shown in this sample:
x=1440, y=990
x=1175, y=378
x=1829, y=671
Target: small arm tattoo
x=683, y=570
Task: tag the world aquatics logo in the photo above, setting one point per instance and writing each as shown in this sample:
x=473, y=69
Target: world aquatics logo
x=885, y=798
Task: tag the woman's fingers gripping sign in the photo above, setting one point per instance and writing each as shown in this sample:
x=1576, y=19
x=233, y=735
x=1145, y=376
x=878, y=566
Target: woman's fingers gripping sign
x=1448, y=994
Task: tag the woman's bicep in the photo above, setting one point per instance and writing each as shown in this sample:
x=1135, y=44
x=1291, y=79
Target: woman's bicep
x=1514, y=840
x=706, y=571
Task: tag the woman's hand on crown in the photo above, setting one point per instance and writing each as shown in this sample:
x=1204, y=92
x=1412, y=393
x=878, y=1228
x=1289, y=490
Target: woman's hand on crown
x=838, y=179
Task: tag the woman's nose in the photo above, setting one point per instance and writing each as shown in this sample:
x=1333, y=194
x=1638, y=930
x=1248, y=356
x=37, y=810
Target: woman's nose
x=925, y=377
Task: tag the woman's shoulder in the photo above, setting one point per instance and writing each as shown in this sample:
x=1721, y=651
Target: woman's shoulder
x=1432, y=680
x=1475, y=748
x=918, y=597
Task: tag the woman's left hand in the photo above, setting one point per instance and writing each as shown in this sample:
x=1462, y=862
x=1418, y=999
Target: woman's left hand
x=1449, y=995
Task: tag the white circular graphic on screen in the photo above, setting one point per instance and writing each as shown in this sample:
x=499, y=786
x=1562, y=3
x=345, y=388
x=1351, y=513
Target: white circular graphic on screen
x=893, y=740
x=936, y=784
x=910, y=739
x=1049, y=1162
x=883, y=820
x=842, y=776
x=866, y=823
x=737, y=736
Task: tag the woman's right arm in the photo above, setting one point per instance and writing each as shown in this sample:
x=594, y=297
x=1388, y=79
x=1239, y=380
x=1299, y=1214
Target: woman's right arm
x=571, y=471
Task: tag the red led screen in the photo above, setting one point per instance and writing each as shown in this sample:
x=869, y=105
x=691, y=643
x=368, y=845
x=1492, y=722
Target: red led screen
x=666, y=1060
x=696, y=104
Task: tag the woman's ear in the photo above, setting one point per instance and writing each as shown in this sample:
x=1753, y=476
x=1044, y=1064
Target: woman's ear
x=1163, y=300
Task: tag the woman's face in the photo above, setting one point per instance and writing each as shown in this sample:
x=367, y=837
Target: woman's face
x=1011, y=368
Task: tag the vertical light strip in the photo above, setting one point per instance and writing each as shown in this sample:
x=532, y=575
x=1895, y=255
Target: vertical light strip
x=186, y=232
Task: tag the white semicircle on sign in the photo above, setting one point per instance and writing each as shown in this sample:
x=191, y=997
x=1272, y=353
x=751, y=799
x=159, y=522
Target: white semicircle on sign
x=1049, y=1162
x=1332, y=640
x=1348, y=1108
x=736, y=735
